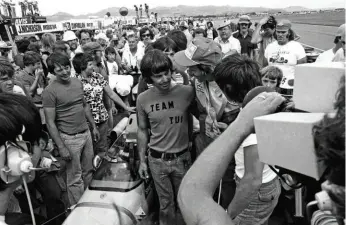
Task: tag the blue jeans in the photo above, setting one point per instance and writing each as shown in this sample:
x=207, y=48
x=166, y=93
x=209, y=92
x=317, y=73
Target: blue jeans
x=79, y=169
x=167, y=176
x=262, y=205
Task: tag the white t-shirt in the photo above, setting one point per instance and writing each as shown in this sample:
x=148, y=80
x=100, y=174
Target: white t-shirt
x=339, y=56
x=210, y=33
x=230, y=44
x=132, y=60
x=326, y=56
x=268, y=174
x=112, y=68
x=285, y=57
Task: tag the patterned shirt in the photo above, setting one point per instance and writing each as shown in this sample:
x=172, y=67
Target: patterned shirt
x=93, y=94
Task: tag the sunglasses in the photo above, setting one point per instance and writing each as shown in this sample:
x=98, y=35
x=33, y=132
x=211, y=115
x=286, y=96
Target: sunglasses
x=244, y=24
x=145, y=35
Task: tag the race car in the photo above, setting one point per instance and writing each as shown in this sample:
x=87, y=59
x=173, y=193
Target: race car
x=116, y=194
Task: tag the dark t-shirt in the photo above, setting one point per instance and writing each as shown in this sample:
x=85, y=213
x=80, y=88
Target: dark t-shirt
x=168, y=117
x=245, y=43
x=27, y=80
x=67, y=99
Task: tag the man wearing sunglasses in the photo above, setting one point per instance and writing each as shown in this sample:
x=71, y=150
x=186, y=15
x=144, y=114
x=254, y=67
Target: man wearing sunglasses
x=244, y=36
x=263, y=35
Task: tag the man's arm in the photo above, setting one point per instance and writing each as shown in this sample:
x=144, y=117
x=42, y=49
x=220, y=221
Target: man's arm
x=256, y=36
x=143, y=139
x=50, y=114
x=195, y=195
x=249, y=184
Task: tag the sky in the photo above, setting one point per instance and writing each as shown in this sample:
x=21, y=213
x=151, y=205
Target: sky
x=78, y=7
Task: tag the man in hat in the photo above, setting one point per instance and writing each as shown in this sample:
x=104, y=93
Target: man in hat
x=264, y=35
x=244, y=36
x=211, y=106
x=5, y=50
x=340, y=54
x=71, y=39
x=185, y=28
x=285, y=53
x=229, y=44
x=95, y=50
x=327, y=56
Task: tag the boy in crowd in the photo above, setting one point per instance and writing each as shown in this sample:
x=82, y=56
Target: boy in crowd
x=164, y=110
x=32, y=76
x=271, y=77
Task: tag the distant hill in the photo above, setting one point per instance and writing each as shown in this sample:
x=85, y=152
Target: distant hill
x=180, y=9
x=295, y=8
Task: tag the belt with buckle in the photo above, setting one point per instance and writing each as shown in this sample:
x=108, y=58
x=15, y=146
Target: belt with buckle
x=166, y=156
x=82, y=132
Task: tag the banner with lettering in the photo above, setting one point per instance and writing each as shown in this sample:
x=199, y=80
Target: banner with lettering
x=27, y=29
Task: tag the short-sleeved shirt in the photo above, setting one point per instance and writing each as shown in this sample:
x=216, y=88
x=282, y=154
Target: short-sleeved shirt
x=285, y=57
x=27, y=80
x=167, y=115
x=326, y=56
x=67, y=99
x=245, y=43
x=230, y=44
x=268, y=174
x=93, y=94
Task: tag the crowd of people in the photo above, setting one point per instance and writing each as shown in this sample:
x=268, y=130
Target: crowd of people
x=191, y=89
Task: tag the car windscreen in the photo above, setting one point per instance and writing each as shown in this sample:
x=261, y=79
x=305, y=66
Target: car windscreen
x=114, y=177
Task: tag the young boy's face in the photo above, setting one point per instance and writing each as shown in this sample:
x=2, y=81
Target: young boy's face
x=111, y=57
x=162, y=81
x=267, y=82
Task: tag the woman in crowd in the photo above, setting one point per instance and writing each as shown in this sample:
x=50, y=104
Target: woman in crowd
x=94, y=84
x=146, y=37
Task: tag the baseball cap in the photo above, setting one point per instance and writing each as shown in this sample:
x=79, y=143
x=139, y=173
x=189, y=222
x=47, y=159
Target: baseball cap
x=200, y=51
x=341, y=31
x=69, y=36
x=101, y=36
x=283, y=25
x=91, y=46
x=224, y=24
x=4, y=45
x=244, y=19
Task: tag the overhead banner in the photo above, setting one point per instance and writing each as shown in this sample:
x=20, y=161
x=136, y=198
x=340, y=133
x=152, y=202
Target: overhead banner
x=27, y=29
x=72, y=25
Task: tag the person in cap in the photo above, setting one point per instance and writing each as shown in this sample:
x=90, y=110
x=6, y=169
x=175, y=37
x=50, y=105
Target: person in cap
x=5, y=50
x=95, y=50
x=285, y=53
x=185, y=28
x=163, y=109
x=210, y=30
x=264, y=35
x=244, y=35
x=327, y=56
x=340, y=54
x=67, y=113
x=229, y=44
x=210, y=107
x=71, y=39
